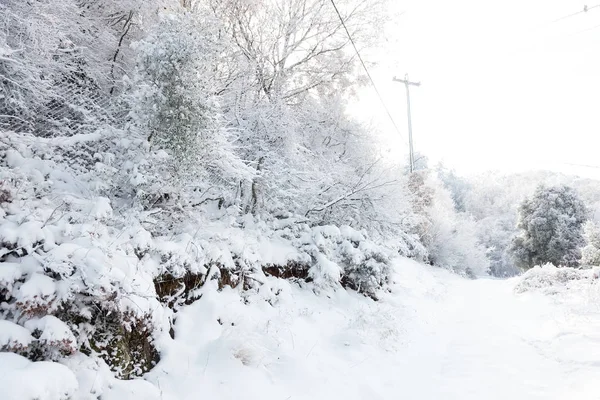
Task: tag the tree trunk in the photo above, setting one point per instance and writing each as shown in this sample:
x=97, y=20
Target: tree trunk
x=254, y=188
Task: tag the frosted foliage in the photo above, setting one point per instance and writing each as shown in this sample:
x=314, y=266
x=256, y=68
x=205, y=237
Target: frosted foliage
x=174, y=101
x=57, y=65
x=453, y=243
x=591, y=252
x=551, y=224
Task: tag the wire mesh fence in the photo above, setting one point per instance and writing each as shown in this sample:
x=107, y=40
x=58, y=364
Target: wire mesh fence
x=70, y=110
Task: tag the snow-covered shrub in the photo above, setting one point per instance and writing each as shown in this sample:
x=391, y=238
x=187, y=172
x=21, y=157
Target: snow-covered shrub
x=458, y=187
x=551, y=224
x=36, y=296
x=14, y=338
x=242, y=254
x=454, y=244
x=366, y=266
x=345, y=256
x=54, y=339
x=422, y=197
x=65, y=276
x=552, y=279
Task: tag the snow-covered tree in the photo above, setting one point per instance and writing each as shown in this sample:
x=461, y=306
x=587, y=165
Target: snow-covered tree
x=449, y=236
x=452, y=239
x=551, y=224
x=458, y=187
x=174, y=102
x=591, y=252
x=55, y=63
x=283, y=88
x=492, y=201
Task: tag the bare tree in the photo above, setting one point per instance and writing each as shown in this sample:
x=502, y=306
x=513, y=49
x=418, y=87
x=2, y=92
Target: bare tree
x=295, y=46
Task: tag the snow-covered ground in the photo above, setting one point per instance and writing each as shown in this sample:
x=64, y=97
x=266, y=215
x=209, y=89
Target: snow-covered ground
x=436, y=336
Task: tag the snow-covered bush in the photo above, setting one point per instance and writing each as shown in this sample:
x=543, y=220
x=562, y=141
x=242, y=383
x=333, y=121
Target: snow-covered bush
x=551, y=224
x=14, y=338
x=242, y=254
x=457, y=186
x=78, y=280
x=345, y=256
x=454, y=244
x=62, y=275
x=54, y=339
x=551, y=279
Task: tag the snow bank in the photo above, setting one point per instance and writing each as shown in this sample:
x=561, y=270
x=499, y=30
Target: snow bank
x=21, y=379
x=282, y=341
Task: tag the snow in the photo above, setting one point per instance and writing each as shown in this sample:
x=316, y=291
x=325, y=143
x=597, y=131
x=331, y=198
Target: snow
x=24, y=236
x=137, y=388
x=551, y=280
x=325, y=272
x=9, y=273
x=52, y=329
x=21, y=379
x=436, y=336
x=13, y=336
x=37, y=286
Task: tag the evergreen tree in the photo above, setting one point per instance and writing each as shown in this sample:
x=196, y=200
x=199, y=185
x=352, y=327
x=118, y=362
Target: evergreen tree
x=552, y=228
x=174, y=105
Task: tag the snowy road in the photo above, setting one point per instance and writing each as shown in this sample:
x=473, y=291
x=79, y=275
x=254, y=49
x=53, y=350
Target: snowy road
x=481, y=341
x=436, y=336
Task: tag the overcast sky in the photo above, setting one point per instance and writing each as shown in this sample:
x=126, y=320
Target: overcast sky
x=503, y=86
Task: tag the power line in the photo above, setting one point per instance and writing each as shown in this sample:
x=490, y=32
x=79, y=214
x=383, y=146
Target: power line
x=582, y=165
x=585, y=9
x=367, y=71
x=589, y=29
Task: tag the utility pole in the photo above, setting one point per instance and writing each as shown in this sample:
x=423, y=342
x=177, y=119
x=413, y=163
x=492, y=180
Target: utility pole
x=407, y=83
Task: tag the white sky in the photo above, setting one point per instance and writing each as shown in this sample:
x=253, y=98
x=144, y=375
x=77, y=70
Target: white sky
x=503, y=86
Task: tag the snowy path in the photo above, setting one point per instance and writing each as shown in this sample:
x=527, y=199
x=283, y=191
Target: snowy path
x=484, y=342
x=436, y=337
